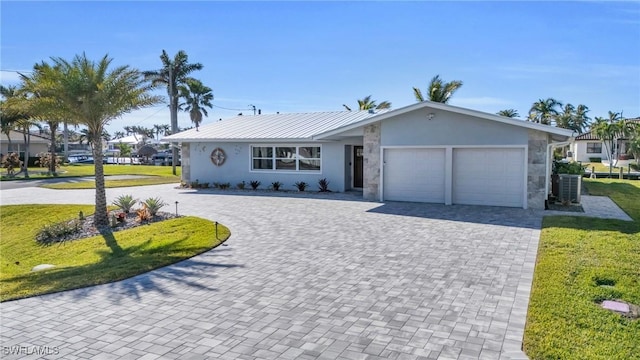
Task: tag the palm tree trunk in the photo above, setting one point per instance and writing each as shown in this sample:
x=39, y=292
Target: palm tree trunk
x=27, y=139
x=174, y=130
x=66, y=140
x=101, y=219
x=52, y=161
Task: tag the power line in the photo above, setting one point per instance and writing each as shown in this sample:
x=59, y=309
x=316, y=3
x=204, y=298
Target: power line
x=231, y=109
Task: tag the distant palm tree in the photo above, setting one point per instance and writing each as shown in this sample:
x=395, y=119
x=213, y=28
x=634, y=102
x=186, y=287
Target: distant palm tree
x=581, y=119
x=15, y=114
x=197, y=98
x=439, y=91
x=544, y=111
x=118, y=135
x=93, y=94
x=368, y=104
x=510, y=113
x=173, y=74
x=160, y=129
x=609, y=131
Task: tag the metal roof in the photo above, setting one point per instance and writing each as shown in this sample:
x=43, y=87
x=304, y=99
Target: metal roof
x=270, y=127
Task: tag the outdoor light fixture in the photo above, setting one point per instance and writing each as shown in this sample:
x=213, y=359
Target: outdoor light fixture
x=430, y=116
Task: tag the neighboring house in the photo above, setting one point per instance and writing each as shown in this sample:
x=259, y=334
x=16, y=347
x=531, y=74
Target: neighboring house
x=37, y=144
x=588, y=146
x=135, y=141
x=425, y=152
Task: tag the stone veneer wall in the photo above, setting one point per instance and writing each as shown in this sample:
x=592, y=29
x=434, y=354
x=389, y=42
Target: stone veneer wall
x=371, y=171
x=536, y=169
x=186, y=162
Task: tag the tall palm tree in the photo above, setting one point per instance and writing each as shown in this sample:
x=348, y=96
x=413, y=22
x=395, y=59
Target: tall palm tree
x=439, y=91
x=510, y=113
x=581, y=119
x=368, y=104
x=544, y=111
x=173, y=74
x=15, y=115
x=43, y=104
x=93, y=93
x=197, y=98
x=609, y=131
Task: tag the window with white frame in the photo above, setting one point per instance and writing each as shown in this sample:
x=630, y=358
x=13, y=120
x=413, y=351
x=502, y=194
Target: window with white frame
x=594, y=148
x=285, y=158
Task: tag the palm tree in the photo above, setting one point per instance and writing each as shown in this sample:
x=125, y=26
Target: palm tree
x=118, y=135
x=609, y=131
x=93, y=94
x=86, y=135
x=196, y=97
x=368, y=104
x=173, y=74
x=564, y=119
x=439, y=91
x=510, y=113
x=544, y=111
x=42, y=104
x=580, y=118
x=15, y=115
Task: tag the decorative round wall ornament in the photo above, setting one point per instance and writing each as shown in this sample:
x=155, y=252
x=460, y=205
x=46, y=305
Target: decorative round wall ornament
x=218, y=157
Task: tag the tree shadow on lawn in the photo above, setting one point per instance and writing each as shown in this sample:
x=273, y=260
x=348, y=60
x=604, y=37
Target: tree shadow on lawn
x=591, y=224
x=117, y=276
x=490, y=215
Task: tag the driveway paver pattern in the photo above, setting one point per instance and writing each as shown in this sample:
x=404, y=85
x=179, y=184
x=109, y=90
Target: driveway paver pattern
x=316, y=277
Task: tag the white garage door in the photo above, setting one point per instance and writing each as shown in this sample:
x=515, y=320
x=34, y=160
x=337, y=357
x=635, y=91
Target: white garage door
x=414, y=175
x=488, y=177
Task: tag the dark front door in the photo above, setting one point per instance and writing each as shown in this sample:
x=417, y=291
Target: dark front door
x=358, y=165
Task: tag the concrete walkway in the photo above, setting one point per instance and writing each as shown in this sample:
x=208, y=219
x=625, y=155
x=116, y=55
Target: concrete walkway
x=303, y=277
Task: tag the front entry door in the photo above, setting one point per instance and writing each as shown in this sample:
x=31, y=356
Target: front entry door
x=358, y=165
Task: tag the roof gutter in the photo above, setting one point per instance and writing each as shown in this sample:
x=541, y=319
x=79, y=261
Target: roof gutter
x=548, y=165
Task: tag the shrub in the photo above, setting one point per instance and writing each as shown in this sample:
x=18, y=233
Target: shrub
x=635, y=167
x=125, y=202
x=323, y=185
x=224, y=186
x=595, y=159
x=573, y=167
x=154, y=205
x=276, y=185
x=301, y=185
x=56, y=232
x=143, y=213
x=11, y=162
x=241, y=185
x=254, y=184
x=194, y=184
x=44, y=160
x=204, y=185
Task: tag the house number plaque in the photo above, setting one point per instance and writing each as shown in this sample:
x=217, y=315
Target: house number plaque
x=218, y=157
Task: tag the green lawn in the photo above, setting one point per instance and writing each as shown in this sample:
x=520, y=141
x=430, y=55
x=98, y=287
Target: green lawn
x=154, y=180
x=88, y=170
x=576, y=256
x=95, y=260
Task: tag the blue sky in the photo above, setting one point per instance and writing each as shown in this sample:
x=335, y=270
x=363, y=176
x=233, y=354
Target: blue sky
x=316, y=56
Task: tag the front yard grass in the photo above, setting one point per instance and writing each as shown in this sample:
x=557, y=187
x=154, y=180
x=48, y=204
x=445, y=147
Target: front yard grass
x=72, y=170
x=91, y=261
x=152, y=180
x=576, y=257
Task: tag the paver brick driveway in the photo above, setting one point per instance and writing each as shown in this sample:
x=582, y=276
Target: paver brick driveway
x=303, y=278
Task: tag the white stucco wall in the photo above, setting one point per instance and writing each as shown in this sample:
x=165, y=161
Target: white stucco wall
x=579, y=149
x=237, y=167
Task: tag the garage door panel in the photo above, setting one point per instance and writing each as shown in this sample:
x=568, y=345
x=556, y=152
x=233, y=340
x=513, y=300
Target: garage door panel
x=488, y=177
x=414, y=175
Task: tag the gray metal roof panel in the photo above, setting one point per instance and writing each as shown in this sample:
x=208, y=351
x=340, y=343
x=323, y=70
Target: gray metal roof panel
x=273, y=126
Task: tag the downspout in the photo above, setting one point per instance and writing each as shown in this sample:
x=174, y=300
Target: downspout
x=548, y=167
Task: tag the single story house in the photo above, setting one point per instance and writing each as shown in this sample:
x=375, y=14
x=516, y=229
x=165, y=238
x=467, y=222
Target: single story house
x=588, y=147
x=15, y=143
x=425, y=152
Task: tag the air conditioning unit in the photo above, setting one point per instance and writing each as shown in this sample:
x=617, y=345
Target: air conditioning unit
x=569, y=188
